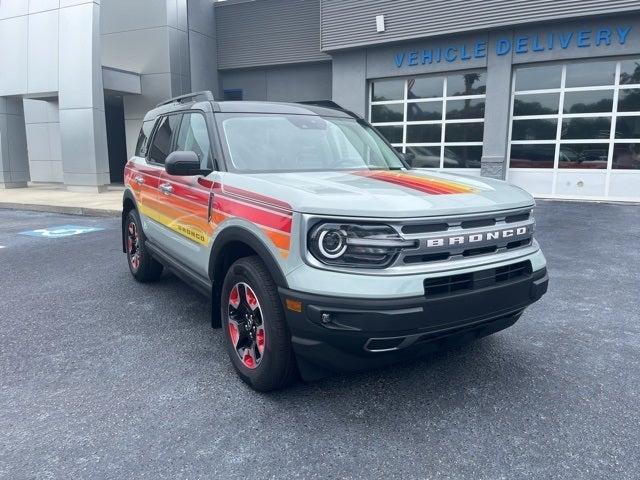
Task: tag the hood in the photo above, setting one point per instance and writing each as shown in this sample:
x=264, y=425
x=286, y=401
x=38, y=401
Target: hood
x=379, y=193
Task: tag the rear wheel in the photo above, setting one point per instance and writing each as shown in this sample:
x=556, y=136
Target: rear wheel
x=254, y=328
x=142, y=266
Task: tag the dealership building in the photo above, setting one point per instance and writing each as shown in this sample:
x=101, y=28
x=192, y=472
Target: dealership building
x=542, y=93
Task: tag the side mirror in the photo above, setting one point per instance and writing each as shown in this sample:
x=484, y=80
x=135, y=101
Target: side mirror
x=183, y=163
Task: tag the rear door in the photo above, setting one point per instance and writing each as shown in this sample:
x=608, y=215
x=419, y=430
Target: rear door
x=147, y=178
x=187, y=234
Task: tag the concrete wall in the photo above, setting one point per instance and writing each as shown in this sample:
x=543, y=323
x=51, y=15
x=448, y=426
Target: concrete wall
x=169, y=43
x=287, y=83
x=14, y=166
x=203, y=48
x=148, y=37
x=54, y=51
x=43, y=140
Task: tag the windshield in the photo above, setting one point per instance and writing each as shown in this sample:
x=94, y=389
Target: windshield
x=284, y=143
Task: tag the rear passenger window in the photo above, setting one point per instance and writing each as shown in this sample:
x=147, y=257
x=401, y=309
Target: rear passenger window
x=163, y=139
x=143, y=138
x=194, y=137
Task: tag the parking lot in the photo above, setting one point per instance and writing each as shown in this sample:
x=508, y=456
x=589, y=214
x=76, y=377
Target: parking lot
x=102, y=377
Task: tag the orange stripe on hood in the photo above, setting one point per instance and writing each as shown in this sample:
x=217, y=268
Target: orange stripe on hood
x=431, y=186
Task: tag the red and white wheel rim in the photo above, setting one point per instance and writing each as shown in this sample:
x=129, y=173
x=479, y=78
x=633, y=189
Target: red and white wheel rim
x=246, y=325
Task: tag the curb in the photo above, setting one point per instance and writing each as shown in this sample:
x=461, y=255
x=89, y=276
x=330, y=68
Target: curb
x=92, y=212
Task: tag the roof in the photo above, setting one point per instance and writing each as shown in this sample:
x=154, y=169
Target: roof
x=280, y=107
x=327, y=110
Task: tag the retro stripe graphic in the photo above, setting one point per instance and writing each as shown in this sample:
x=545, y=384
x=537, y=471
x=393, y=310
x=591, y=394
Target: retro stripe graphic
x=431, y=186
x=186, y=210
x=273, y=216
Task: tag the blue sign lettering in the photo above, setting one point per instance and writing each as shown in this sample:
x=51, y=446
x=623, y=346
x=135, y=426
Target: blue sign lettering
x=604, y=36
x=583, y=38
x=565, y=39
x=480, y=50
x=622, y=33
x=450, y=54
x=535, y=45
x=521, y=45
x=503, y=46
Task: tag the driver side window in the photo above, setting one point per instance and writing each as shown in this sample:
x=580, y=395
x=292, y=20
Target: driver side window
x=194, y=136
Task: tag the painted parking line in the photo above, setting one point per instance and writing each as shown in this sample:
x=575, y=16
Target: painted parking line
x=61, y=231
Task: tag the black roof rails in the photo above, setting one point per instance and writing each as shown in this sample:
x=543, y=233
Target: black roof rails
x=329, y=104
x=205, y=94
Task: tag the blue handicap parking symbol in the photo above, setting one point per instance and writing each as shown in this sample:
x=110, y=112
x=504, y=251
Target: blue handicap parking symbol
x=62, y=231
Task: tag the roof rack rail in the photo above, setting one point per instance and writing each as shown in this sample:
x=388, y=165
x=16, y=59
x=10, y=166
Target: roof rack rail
x=205, y=94
x=329, y=104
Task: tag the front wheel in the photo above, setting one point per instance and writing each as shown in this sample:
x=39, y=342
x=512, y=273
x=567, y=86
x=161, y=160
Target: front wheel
x=254, y=328
x=142, y=266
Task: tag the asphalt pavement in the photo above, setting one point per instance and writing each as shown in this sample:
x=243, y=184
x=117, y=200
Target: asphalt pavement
x=102, y=377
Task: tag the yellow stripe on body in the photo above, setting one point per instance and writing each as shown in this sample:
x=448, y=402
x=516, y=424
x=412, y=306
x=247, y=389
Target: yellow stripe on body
x=188, y=231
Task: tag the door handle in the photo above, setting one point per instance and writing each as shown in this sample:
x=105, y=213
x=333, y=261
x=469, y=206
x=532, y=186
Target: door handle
x=138, y=179
x=166, y=188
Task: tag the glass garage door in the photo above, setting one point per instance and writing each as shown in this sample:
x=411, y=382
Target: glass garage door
x=438, y=118
x=575, y=129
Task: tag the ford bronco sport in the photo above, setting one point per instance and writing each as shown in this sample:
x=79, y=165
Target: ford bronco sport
x=321, y=248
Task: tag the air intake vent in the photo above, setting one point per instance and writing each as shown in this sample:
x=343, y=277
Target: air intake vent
x=476, y=280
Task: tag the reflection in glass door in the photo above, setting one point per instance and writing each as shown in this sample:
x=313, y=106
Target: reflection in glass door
x=437, y=118
x=575, y=129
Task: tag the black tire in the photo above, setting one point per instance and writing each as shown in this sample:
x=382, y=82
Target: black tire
x=277, y=366
x=143, y=268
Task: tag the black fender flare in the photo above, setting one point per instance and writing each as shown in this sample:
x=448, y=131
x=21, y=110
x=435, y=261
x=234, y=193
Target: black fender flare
x=237, y=233
x=128, y=195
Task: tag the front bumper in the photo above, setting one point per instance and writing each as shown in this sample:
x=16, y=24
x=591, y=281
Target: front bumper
x=337, y=334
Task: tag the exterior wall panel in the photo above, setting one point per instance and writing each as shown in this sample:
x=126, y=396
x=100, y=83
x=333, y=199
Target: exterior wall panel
x=351, y=23
x=281, y=84
x=268, y=32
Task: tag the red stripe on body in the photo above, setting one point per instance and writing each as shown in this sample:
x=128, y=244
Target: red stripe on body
x=252, y=197
x=261, y=216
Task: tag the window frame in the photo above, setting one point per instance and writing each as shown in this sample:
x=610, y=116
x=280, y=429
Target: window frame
x=443, y=121
x=611, y=141
x=212, y=149
x=155, y=131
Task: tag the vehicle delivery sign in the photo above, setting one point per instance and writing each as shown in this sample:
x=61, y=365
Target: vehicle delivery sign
x=61, y=231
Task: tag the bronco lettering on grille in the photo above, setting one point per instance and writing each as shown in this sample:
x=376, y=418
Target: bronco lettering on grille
x=484, y=237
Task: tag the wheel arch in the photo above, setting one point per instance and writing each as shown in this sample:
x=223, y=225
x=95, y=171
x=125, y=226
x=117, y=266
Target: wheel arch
x=231, y=244
x=246, y=243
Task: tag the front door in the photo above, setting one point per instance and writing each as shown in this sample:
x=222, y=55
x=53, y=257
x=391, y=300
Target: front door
x=187, y=232
x=147, y=176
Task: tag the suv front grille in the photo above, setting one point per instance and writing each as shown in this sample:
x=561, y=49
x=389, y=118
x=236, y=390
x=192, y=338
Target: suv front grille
x=466, y=236
x=465, y=282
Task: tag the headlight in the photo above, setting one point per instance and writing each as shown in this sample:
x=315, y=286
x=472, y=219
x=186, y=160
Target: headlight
x=356, y=245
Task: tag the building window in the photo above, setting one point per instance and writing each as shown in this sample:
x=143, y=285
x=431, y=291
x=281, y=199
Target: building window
x=232, y=94
x=579, y=115
x=438, y=118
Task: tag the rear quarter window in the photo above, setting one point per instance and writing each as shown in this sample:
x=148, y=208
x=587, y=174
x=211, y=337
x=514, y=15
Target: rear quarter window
x=143, y=138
